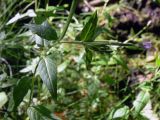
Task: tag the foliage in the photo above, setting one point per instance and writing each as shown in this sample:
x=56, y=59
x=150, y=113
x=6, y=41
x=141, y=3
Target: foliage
x=102, y=64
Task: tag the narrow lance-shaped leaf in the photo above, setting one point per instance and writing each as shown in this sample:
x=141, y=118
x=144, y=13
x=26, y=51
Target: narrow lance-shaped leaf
x=88, y=60
x=40, y=113
x=141, y=101
x=121, y=113
x=3, y=99
x=20, y=90
x=44, y=30
x=87, y=34
x=48, y=72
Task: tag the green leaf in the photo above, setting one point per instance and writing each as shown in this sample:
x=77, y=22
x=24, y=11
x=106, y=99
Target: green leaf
x=158, y=61
x=20, y=90
x=141, y=101
x=44, y=30
x=47, y=70
x=99, y=48
x=18, y=16
x=40, y=113
x=88, y=55
x=3, y=99
x=88, y=32
x=121, y=113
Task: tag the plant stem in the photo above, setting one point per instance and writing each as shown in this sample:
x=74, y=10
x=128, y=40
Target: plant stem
x=36, y=4
x=32, y=89
x=72, y=10
x=141, y=31
x=47, y=4
x=32, y=85
x=97, y=43
x=39, y=87
x=73, y=42
x=33, y=2
x=104, y=6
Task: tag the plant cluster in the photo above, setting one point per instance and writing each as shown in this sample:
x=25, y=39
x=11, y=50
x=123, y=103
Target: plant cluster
x=59, y=64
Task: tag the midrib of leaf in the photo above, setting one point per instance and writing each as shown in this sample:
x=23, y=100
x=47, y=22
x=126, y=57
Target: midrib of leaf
x=38, y=113
x=50, y=79
x=87, y=32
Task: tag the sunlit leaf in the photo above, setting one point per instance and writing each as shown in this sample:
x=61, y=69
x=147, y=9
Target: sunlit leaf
x=31, y=67
x=2, y=35
x=62, y=66
x=158, y=61
x=3, y=99
x=3, y=76
x=40, y=113
x=141, y=101
x=47, y=70
x=18, y=16
x=121, y=112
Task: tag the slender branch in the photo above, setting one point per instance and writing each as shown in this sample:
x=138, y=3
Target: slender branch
x=32, y=85
x=31, y=93
x=95, y=2
x=33, y=2
x=88, y=5
x=97, y=43
x=72, y=10
x=36, y=4
x=104, y=6
x=73, y=42
x=141, y=31
x=46, y=4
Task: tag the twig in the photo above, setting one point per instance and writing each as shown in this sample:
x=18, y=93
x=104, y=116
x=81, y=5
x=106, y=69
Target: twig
x=97, y=43
x=95, y=2
x=104, y=6
x=32, y=85
x=33, y=2
x=88, y=5
x=143, y=29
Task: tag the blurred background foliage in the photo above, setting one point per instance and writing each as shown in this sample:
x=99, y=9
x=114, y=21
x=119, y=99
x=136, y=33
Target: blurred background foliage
x=114, y=79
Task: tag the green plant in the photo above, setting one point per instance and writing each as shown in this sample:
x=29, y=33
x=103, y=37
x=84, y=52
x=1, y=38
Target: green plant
x=77, y=72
